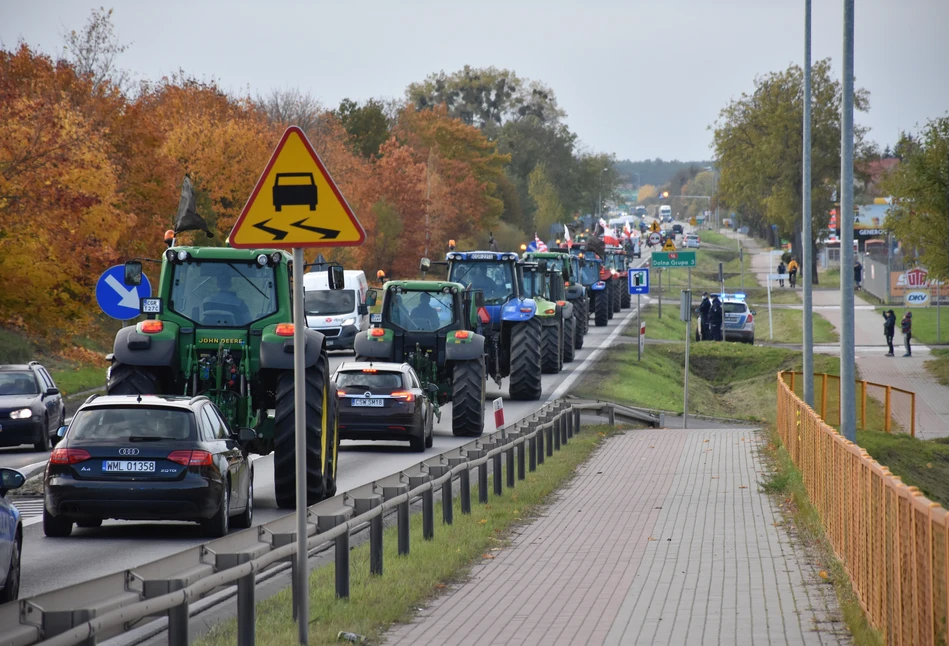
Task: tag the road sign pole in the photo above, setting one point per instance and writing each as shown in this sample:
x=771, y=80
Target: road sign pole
x=639, y=317
x=299, y=417
x=770, y=319
x=686, y=316
x=659, y=282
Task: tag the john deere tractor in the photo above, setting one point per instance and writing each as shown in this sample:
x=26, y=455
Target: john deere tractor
x=561, y=261
x=221, y=326
x=536, y=281
x=511, y=328
x=432, y=325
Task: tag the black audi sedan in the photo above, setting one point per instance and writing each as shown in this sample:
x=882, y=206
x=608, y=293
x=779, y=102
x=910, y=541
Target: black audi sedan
x=383, y=401
x=149, y=457
x=31, y=407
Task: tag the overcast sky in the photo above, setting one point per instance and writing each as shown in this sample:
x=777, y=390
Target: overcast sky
x=639, y=78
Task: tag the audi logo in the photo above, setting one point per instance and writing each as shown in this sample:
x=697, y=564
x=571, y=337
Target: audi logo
x=128, y=451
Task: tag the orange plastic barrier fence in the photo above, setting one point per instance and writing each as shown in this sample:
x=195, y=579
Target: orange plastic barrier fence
x=893, y=541
x=886, y=407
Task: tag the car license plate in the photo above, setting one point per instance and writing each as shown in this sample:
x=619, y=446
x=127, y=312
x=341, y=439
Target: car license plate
x=366, y=402
x=127, y=466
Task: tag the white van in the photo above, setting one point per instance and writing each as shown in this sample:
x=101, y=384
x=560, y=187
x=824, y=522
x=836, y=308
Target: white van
x=338, y=314
x=665, y=213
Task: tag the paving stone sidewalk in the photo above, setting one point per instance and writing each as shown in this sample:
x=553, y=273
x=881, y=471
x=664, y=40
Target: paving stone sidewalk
x=663, y=538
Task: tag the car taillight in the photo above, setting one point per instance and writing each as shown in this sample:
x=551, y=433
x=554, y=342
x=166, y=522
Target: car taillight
x=566, y=283
x=404, y=395
x=284, y=329
x=483, y=315
x=191, y=458
x=68, y=456
x=152, y=326
x=550, y=311
x=750, y=318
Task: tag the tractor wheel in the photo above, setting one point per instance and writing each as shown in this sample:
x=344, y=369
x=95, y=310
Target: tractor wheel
x=610, y=289
x=125, y=379
x=525, y=360
x=332, y=443
x=467, y=398
x=551, y=349
x=627, y=300
x=284, y=461
x=601, y=305
x=617, y=297
x=569, y=338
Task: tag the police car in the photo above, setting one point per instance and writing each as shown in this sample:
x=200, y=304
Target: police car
x=739, y=318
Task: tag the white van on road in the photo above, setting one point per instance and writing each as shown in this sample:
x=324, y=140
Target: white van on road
x=338, y=314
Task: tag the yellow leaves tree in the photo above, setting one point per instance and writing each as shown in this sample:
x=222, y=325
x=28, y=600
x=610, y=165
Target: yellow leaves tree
x=647, y=192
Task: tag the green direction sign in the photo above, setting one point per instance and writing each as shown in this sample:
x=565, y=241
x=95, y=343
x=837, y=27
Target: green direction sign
x=673, y=259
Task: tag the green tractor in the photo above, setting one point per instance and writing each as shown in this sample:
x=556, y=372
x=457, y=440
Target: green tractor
x=551, y=314
x=221, y=326
x=560, y=260
x=433, y=326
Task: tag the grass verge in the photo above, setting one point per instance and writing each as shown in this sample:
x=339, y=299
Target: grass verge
x=924, y=323
x=376, y=603
x=938, y=366
x=785, y=484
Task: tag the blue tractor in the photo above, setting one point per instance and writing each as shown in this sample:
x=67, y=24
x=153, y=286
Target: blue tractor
x=511, y=327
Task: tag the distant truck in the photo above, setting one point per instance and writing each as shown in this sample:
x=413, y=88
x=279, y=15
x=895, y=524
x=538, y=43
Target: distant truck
x=338, y=314
x=665, y=213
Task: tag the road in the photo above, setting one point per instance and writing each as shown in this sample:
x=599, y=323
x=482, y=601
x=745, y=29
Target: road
x=52, y=563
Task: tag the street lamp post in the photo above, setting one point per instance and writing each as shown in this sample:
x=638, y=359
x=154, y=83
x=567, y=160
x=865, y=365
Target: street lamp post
x=599, y=193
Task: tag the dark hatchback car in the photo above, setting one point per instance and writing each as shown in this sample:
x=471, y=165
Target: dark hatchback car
x=383, y=401
x=149, y=457
x=31, y=408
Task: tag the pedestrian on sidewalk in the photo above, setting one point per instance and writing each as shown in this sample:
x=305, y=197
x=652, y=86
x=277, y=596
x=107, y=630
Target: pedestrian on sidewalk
x=716, y=318
x=889, y=329
x=857, y=274
x=781, y=271
x=906, y=327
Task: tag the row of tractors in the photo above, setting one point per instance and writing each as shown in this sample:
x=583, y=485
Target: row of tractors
x=220, y=327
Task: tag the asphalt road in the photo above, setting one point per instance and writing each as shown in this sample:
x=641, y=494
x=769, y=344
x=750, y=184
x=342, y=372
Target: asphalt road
x=52, y=563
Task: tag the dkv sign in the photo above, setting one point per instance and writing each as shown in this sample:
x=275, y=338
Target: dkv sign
x=917, y=298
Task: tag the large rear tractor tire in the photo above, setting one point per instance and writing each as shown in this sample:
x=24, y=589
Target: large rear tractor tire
x=467, y=398
x=551, y=344
x=617, y=296
x=581, y=315
x=525, y=360
x=126, y=379
x=569, y=338
x=284, y=467
x=610, y=297
x=601, y=306
x=626, y=300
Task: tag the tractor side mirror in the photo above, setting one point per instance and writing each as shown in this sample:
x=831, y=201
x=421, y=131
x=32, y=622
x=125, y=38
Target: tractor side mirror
x=133, y=273
x=335, y=276
x=424, y=265
x=246, y=435
x=542, y=266
x=363, y=309
x=432, y=388
x=371, y=297
x=478, y=299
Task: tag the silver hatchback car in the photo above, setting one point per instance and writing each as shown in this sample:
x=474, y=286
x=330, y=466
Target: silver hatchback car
x=739, y=318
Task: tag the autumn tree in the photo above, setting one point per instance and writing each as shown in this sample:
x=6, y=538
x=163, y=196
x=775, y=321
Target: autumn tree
x=94, y=49
x=919, y=216
x=366, y=124
x=758, y=145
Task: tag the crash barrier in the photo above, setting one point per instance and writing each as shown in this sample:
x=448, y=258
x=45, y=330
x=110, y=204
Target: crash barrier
x=117, y=603
x=896, y=406
x=893, y=541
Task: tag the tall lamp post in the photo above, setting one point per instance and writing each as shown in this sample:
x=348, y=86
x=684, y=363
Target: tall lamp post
x=599, y=193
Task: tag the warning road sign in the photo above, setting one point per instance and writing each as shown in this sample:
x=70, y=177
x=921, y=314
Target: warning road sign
x=296, y=203
x=669, y=246
x=654, y=227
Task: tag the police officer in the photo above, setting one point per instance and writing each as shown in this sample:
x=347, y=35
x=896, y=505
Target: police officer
x=704, y=309
x=716, y=318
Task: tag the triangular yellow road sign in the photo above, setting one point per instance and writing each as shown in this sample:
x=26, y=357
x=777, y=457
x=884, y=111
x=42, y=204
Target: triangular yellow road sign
x=296, y=203
x=669, y=246
x=654, y=227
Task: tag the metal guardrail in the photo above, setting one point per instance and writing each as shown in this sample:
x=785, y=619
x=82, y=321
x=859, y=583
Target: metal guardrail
x=892, y=540
x=111, y=605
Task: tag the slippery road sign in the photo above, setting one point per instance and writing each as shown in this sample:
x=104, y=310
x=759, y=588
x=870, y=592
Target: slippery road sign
x=296, y=203
x=118, y=300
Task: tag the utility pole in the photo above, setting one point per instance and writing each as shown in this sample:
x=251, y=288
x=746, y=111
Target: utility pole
x=808, y=250
x=848, y=388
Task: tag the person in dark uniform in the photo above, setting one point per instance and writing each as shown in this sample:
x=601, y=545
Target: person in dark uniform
x=906, y=327
x=716, y=318
x=889, y=330
x=704, y=308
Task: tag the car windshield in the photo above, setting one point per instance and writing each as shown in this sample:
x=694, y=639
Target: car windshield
x=223, y=294
x=138, y=423
x=533, y=284
x=421, y=311
x=734, y=308
x=495, y=279
x=370, y=379
x=328, y=302
x=18, y=383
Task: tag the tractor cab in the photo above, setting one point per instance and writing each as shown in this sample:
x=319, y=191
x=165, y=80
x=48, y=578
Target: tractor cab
x=495, y=274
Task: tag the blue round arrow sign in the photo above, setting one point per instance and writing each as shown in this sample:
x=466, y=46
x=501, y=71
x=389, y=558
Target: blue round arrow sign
x=118, y=300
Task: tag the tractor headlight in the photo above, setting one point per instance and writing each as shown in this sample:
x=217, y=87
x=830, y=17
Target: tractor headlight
x=23, y=413
x=262, y=260
x=183, y=256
